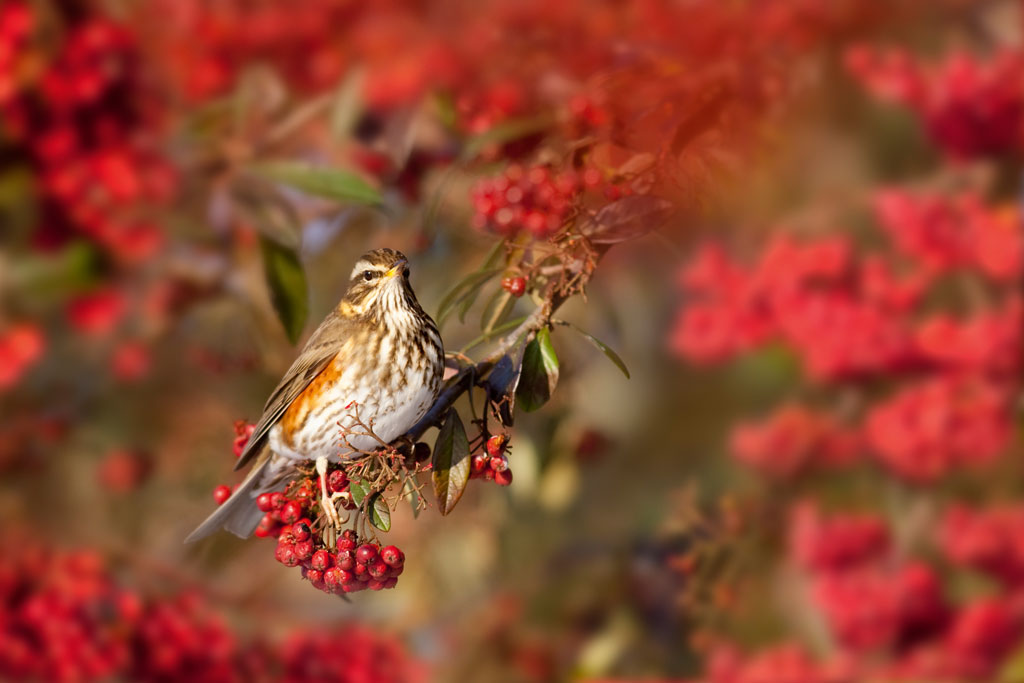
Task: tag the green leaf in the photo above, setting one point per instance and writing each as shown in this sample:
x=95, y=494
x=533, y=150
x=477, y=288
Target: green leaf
x=450, y=462
x=380, y=514
x=330, y=183
x=287, y=283
x=469, y=286
x=605, y=349
x=359, y=491
x=539, y=374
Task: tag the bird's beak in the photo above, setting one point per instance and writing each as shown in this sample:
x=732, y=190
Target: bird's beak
x=396, y=268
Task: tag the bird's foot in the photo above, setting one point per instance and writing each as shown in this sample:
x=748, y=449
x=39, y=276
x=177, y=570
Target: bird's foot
x=326, y=499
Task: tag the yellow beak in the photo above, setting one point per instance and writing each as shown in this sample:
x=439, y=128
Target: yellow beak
x=396, y=269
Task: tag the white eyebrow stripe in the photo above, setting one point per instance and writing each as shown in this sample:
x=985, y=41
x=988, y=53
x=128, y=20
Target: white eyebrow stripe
x=363, y=265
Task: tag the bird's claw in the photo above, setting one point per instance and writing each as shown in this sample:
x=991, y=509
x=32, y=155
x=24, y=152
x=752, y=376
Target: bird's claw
x=326, y=499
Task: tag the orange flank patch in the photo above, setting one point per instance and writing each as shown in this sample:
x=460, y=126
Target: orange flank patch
x=295, y=417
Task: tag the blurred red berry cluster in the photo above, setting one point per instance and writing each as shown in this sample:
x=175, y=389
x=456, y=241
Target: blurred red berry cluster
x=64, y=616
x=80, y=111
x=859, y=317
x=909, y=340
x=535, y=200
x=971, y=106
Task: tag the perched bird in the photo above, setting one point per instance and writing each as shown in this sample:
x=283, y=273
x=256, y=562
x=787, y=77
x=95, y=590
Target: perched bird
x=376, y=361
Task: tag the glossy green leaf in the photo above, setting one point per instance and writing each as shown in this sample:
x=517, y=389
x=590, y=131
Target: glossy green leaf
x=539, y=373
x=450, y=462
x=605, y=349
x=329, y=183
x=359, y=491
x=380, y=514
x=287, y=283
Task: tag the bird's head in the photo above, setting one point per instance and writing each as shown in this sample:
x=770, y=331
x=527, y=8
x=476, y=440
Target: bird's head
x=379, y=286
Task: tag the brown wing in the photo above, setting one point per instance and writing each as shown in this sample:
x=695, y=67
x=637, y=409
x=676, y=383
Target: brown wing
x=321, y=348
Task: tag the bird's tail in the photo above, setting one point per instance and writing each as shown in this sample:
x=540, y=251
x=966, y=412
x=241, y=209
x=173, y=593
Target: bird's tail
x=239, y=514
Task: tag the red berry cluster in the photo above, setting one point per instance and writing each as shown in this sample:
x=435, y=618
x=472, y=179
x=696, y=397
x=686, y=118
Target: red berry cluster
x=480, y=108
x=63, y=617
x=350, y=566
x=869, y=320
x=954, y=233
x=988, y=540
x=21, y=346
x=492, y=463
x=243, y=431
x=794, y=439
x=970, y=107
x=536, y=199
x=80, y=122
x=355, y=566
x=820, y=543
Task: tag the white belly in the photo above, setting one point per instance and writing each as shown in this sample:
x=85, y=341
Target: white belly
x=333, y=430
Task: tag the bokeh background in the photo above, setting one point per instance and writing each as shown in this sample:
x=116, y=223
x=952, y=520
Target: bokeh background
x=812, y=473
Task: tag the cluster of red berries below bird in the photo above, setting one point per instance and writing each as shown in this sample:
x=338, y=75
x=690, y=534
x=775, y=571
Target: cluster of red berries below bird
x=350, y=566
x=492, y=464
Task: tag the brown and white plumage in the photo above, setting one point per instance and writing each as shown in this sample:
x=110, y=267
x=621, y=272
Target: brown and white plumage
x=377, y=353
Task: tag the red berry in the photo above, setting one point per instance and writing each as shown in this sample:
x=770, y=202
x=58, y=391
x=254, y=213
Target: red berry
x=277, y=500
x=333, y=578
x=488, y=474
x=346, y=560
x=266, y=527
x=304, y=550
x=302, y=530
x=503, y=478
x=321, y=560
x=375, y=584
x=478, y=464
x=516, y=286
x=313, y=575
x=499, y=463
x=221, y=494
x=304, y=491
x=378, y=569
x=396, y=571
x=285, y=554
x=496, y=445
x=263, y=502
x=392, y=556
x=346, y=576
x=390, y=582
x=337, y=481
x=366, y=553
x=291, y=512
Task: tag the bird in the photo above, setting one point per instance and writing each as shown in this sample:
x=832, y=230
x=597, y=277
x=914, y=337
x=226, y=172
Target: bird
x=376, y=361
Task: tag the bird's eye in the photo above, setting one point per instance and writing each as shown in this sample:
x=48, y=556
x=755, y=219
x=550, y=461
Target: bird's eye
x=405, y=273
x=368, y=275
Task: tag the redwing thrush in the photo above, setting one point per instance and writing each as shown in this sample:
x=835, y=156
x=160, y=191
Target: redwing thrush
x=376, y=361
